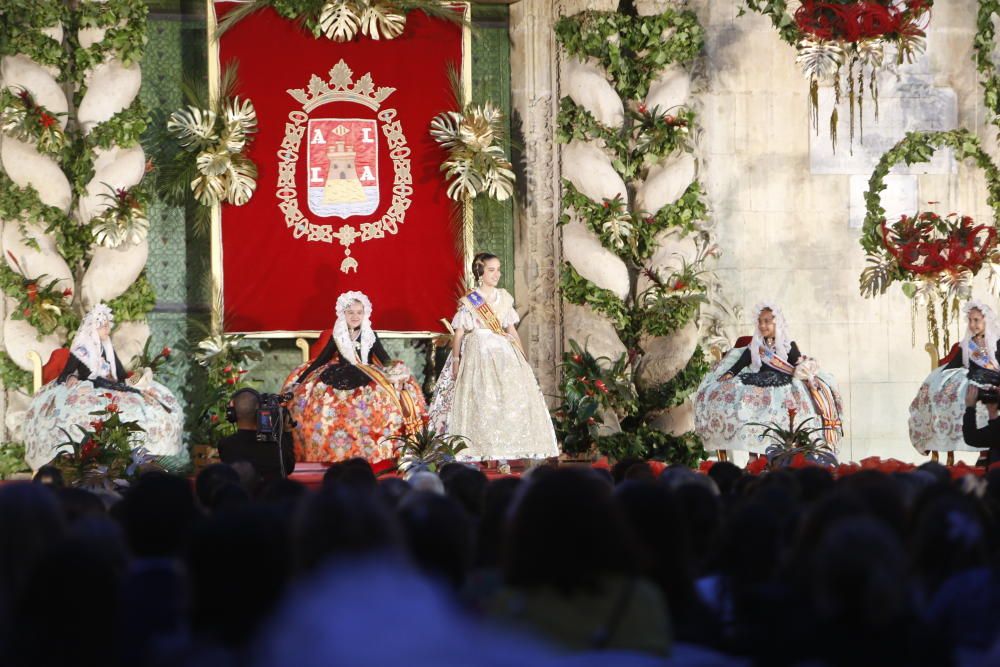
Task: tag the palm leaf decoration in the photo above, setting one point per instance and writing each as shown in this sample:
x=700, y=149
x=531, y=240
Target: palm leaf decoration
x=212, y=136
x=338, y=21
x=476, y=162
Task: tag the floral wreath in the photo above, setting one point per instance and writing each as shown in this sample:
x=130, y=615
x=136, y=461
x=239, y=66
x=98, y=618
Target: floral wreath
x=908, y=249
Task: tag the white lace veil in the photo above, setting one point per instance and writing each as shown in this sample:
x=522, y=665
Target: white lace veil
x=990, y=336
x=782, y=339
x=342, y=333
x=87, y=345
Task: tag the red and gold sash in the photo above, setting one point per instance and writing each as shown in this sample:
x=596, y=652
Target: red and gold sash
x=411, y=416
x=819, y=391
x=475, y=302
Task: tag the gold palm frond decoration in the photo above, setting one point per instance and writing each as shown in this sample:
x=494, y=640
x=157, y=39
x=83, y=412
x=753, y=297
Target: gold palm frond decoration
x=124, y=221
x=476, y=161
x=217, y=142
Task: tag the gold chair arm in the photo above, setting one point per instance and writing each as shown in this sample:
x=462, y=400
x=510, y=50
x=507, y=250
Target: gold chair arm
x=932, y=351
x=303, y=345
x=36, y=371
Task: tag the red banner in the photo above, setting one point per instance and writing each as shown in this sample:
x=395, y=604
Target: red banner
x=350, y=195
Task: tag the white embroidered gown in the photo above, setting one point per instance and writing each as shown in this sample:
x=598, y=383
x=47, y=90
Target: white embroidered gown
x=495, y=401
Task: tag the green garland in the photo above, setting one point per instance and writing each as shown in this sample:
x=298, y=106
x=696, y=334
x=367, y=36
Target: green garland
x=21, y=23
x=136, y=302
x=647, y=139
x=631, y=48
x=647, y=443
x=125, y=36
x=13, y=376
x=124, y=129
x=578, y=290
x=674, y=392
x=777, y=11
x=984, y=46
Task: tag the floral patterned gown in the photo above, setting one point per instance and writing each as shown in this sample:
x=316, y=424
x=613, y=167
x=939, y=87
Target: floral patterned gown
x=723, y=411
x=341, y=412
x=58, y=406
x=494, y=401
x=936, y=412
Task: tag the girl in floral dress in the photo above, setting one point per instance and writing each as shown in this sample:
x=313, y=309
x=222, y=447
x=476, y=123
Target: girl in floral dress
x=93, y=378
x=761, y=383
x=936, y=412
x=351, y=399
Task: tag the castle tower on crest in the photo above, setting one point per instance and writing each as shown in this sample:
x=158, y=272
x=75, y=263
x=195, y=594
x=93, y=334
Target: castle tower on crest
x=342, y=184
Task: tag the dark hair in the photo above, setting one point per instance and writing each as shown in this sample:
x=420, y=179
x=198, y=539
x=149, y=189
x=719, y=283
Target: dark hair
x=49, y=475
x=479, y=263
x=211, y=478
x=567, y=531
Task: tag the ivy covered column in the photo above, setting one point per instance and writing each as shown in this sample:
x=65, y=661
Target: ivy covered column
x=74, y=219
x=634, y=239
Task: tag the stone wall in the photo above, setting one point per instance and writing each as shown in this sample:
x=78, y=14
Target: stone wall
x=783, y=203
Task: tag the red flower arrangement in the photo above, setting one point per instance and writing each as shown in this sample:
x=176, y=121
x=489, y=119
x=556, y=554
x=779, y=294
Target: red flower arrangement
x=857, y=21
x=929, y=244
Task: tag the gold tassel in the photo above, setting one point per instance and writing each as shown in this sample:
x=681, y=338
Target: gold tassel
x=833, y=129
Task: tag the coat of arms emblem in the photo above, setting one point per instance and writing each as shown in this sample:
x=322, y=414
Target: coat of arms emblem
x=342, y=156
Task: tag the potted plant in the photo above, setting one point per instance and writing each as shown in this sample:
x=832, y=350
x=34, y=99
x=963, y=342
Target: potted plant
x=797, y=442
x=426, y=449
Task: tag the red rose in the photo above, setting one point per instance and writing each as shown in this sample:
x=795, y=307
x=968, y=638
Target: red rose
x=642, y=108
x=32, y=290
x=230, y=380
x=165, y=352
x=669, y=120
x=214, y=419
x=650, y=219
x=679, y=285
x=227, y=369
x=577, y=358
x=67, y=293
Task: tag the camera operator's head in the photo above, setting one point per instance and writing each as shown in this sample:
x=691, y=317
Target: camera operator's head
x=244, y=406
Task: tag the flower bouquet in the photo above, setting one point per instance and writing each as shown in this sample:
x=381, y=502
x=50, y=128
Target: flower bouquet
x=108, y=455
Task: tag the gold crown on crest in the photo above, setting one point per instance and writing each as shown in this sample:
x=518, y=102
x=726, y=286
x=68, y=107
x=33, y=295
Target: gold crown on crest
x=341, y=88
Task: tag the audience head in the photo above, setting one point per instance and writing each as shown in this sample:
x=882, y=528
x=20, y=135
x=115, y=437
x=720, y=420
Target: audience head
x=210, y=479
x=340, y=521
x=157, y=514
x=567, y=531
x=725, y=475
x=439, y=535
x=49, y=475
x=426, y=481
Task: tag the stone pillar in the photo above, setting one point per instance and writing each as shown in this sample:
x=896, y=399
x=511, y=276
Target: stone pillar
x=534, y=79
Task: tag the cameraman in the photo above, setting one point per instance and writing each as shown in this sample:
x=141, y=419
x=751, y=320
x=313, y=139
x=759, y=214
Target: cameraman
x=989, y=435
x=243, y=445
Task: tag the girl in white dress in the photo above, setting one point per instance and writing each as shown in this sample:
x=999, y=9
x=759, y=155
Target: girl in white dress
x=487, y=392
